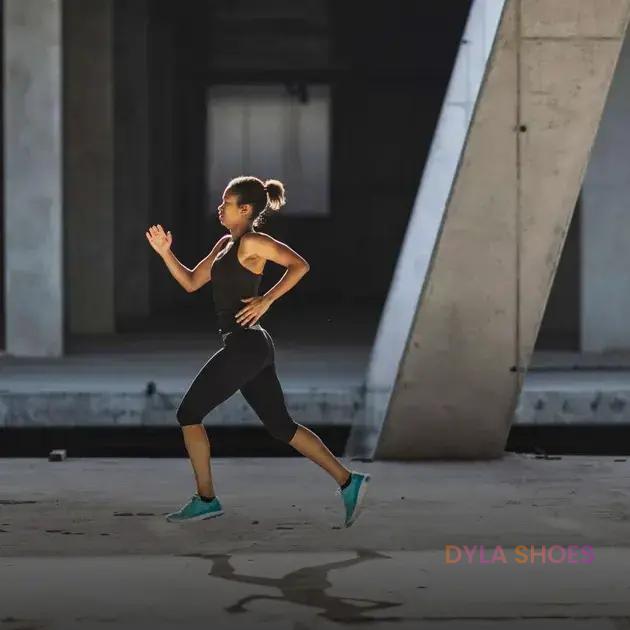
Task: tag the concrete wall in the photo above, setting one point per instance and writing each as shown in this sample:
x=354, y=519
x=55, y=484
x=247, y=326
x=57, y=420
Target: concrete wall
x=33, y=261
x=605, y=234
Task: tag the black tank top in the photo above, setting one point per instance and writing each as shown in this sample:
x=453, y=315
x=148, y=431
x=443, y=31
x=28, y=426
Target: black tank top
x=231, y=281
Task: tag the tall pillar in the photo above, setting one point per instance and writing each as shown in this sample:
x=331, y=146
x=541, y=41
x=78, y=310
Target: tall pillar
x=479, y=289
x=89, y=164
x=131, y=146
x=605, y=278
x=33, y=222
x=425, y=221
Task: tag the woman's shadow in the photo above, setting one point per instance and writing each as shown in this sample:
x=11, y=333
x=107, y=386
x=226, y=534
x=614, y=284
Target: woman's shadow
x=307, y=587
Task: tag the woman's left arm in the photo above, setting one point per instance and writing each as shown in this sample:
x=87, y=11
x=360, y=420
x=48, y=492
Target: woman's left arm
x=269, y=248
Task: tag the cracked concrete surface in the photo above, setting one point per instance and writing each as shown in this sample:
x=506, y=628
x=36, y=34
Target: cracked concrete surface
x=84, y=544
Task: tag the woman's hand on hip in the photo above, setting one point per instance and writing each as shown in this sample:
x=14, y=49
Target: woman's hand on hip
x=255, y=309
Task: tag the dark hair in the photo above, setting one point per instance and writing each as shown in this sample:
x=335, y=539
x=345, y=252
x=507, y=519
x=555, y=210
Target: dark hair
x=266, y=197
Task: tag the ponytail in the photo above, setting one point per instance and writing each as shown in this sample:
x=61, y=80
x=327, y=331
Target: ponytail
x=275, y=192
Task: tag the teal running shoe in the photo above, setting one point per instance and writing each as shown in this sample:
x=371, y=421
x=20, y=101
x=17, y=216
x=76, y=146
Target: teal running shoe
x=353, y=495
x=196, y=510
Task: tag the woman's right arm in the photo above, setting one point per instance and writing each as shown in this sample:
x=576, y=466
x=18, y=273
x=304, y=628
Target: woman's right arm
x=189, y=279
x=180, y=272
x=200, y=275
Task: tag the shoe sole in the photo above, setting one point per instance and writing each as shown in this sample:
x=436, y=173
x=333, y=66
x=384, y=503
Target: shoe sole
x=360, y=497
x=200, y=517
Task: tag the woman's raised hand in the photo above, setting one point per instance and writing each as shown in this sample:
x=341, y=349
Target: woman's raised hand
x=158, y=239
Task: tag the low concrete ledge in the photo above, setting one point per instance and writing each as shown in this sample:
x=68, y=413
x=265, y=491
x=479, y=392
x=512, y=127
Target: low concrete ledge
x=545, y=400
x=19, y=409
x=574, y=407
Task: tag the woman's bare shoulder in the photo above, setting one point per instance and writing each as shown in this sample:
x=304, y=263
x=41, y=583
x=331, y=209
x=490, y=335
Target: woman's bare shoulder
x=258, y=237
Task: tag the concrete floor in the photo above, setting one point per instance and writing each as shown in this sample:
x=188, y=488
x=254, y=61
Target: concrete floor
x=84, y=544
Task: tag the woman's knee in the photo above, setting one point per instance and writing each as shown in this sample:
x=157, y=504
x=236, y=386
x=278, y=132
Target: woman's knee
x=187, y=416
x=284, y=432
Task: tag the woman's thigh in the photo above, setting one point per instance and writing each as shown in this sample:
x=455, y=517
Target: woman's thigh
x=265, y=396
x=222, y=375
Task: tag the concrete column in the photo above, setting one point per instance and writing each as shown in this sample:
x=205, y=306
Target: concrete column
x=131, y=180
x=89, y=164
x=33, y=264
x=605, y=278
x=425, y=221
x=472, y=330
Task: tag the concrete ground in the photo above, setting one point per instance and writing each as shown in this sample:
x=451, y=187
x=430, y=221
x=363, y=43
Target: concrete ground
x=84, y=544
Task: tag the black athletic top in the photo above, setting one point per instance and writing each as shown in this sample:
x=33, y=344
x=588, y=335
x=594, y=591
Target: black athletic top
x=231, y=281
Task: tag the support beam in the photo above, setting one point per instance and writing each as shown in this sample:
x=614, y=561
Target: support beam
x=89, y=165
x=478, y=280
x=131, y=179
x=33, y=264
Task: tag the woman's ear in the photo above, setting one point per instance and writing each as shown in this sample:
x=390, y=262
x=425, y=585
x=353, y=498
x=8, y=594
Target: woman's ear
x=247, y=208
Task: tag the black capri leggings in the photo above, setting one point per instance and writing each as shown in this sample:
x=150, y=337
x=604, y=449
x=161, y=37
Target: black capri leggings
x=246, y=362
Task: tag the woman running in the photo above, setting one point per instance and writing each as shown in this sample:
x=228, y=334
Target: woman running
x=246, y=361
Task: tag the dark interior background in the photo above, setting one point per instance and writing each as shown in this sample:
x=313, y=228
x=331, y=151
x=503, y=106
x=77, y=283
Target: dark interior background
x=387, y=65
x=387, y=70
x=2, y=316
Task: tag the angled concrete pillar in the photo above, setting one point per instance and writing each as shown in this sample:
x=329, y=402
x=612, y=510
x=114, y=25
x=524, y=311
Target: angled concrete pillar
x=459, y=326
x=33, y=262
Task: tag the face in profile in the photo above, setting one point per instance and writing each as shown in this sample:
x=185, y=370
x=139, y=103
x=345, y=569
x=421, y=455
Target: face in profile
x=230, y=213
